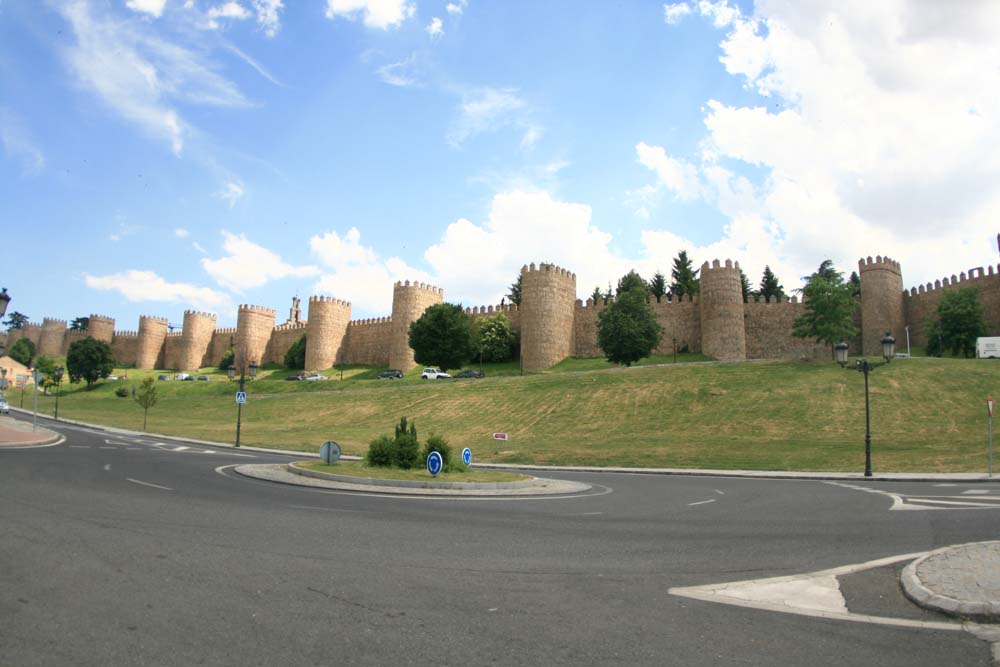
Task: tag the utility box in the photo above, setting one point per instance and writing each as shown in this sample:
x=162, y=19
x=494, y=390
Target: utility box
x=988, y=348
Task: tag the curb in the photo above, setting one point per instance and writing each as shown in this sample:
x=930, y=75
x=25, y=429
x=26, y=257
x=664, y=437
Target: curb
x=411, y=484
x=916, y=591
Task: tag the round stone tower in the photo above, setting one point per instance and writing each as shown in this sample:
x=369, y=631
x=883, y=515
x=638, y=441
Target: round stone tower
x=325, y=331
x=53, y=335
x=723, y=333
x=152, y=333
x=254, y=325
x=101, y=327
x=408, y=303
x=881, y=303
x=195, y=339
x=547, y=311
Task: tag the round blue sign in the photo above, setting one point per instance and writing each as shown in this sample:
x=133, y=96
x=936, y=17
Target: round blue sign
x=467, y=456
x=434, y=464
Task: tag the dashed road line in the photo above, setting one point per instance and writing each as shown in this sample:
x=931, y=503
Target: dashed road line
x=155, y=486
x=702, y=502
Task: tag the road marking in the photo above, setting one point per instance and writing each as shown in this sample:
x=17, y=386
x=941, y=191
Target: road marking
x=107, y=466
x=975, y=491
x=904, y=502
x=946, y=485
x=701, y=502
x=586, y=514
x=328, y=509
x=721, y=493
x=179, y=449
x=107, y=448
x=155, y=486
x=208, y=451
x=80, y=446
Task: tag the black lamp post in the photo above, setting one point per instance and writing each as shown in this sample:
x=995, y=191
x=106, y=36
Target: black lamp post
x=4, y=300
x=58, y=376
x=864, y=366
x=231, y=372
x=3, y=376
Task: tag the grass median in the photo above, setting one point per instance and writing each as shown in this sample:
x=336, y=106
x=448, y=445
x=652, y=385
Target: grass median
x=360, y=469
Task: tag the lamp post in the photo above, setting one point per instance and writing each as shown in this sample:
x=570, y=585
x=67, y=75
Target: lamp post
x=4, y=300
x=231, y=372
x=58, y=376
x=3, y=376
x=864, y=366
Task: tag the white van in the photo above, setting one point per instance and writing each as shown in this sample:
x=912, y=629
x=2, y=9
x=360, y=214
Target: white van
x=988, y=348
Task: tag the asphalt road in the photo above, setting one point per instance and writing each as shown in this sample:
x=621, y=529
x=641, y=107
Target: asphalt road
x=121, y=550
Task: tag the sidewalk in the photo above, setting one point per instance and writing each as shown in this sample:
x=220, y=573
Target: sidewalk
x=961, y=580
x=16, y=434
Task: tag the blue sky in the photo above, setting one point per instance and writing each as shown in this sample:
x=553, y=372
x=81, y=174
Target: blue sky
x=157, y=155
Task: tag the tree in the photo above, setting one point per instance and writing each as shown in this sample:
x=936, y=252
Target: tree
x=515, y=291
x=745, y=286
x=855, y=281
x=685, y=278
x=80, y=324
x=658, y=286
x=608, y=294
x=442, y=337
x=959, y=323
x=16, y=320
x=627, y=330
x=295, y=357
x=495, y=339
x=47, y=367
x=597, y=295
x=228, y=359
x=146, y=398
x=89, y=360
x=826, y=271
x=829, y=310
x=631, y=281
x=23, y=351
x=770, y=288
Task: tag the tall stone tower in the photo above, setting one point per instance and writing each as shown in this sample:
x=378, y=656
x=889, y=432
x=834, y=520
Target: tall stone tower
x=881, y=303
x=152, y=333
x=325, y=331
x=53, y=335
x=723, y=332
x=195, y=339
x=408, y=303
x=547, y=311
x=254, y=325
x=101, y=327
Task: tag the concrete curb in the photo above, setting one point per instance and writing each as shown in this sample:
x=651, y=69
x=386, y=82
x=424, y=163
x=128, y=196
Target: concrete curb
x=410, y=484
x=920, y=594
x=54, y=439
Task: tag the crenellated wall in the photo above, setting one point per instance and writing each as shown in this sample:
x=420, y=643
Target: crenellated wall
x=125, y=347
x=920, y=303
x=52, y=338
x=680, y=321
x=152, y=332
x=723, y=331
x=368, y=341
x=222, y=340
x=101, y=327
x=254, y=325
x=195, y=339
x=768, y=326
x=325, y=331
x=881, y=303
x=548, y=308
x=408, y=303
x=282, y=338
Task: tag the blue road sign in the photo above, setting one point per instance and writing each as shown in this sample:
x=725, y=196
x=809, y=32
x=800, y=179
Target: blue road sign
x=241, y=397
x=467, y=456
x=434, y=464
x=329, y=452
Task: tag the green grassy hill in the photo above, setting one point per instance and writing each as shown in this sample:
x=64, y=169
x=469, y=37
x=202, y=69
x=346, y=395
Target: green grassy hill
x=927, y=414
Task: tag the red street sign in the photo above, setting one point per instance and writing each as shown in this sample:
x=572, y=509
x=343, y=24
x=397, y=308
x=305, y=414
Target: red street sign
x=499, y=436
x=989, y=406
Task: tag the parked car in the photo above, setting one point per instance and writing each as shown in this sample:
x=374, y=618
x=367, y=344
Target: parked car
x=314, y=377
x=390, y=374
x=182, y=376
x=112, y=377
x=471, y=374
x=162, y=376
x=4, y=408
x=189, y=378
x=203, y=378
x=434, y=374
x=293, y=378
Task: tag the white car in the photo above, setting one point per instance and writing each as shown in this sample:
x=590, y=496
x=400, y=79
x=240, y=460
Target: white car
x=314, y=377
x=433, y=374
x=181, y=376
x=4, y=408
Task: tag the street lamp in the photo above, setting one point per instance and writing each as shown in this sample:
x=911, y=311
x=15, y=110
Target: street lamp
x=3, y=376
x=231, y=372
x=4, y=300
x=58, y=376
x=864, y=366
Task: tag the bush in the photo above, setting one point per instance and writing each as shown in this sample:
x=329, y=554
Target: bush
x=121, y=392
x=227, y=359
x=381, y=452
x=23, y=351
x=295, y=357
x=436, y=443
x=407, y=451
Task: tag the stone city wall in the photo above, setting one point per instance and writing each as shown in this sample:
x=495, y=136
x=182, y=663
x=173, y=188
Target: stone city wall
x=881, y=303
x=125, y=347
x=254, y=326
x=921, y=303
x=408, y=303
x=769, y=331
x=53, y=336
x=222, y=340
x=548, y=307
x=679, y=319
x=368, y=341
x=282, y=338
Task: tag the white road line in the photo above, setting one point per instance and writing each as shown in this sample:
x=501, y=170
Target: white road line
x=946, y=485
x=975, y=491
x=155, y=486
x=80, y=446
x=701, y=502
x=107, y=466
x=179, y=449
x=328, y=509
x=107, y=448
x=721, y=493
x=208, y=451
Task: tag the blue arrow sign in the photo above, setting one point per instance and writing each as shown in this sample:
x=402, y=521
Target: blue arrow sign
x=467, y=456
x=241, y=397
x=434, y=464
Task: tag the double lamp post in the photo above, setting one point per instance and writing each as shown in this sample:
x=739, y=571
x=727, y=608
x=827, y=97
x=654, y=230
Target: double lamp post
x=865, y=366
x=231, y=372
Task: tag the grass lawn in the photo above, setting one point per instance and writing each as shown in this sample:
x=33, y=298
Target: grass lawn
x=360, y=469
x=928, y=414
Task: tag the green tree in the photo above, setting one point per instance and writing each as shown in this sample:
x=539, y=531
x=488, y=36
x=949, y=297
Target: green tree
x=658, y=286
x=146, y=398
x=228, y=359
x=495, y=339
x=597, y=296
x=827, y=272
x=442, y=337
x=960, y=321
x=855, y=281
x=16, y=320
x=770, y=288
x=295, y=357
x=46, y=366
x=608, y=294
x=80, y=324
x=631, y=281
x=829, y=309
x=89, y=360
x=684, y=276
x=627, y=330
x=515, y=291
x=745, y=286
x=23, y=351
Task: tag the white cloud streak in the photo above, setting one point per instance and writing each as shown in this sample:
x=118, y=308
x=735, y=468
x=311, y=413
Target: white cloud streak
x=248, y=265
x=435, y=28
x=378, y=14
x=18, y=143
x=674, y=13
x=137, y=286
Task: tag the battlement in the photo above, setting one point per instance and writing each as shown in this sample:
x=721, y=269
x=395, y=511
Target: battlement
x=174, y=334
x=52, y=321
x=974, y=275
x=126, y=334
x=31, y=325
x=492, y=310
x=880, y=262
x=290, y=326
x=225, y=330
x=329, y=299
x=546, y=268
x=756, y=298
x=716, y=265
x=101, y=318
x=200, y=314
x=260, y=310
x=152, y=319
x=418, y=286
x=369, y=321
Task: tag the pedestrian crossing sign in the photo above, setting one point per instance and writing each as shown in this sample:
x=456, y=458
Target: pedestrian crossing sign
x=241, y=397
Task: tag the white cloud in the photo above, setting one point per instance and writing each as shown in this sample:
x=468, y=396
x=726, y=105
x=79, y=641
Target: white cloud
x=487, y=109
x=679, y=176
x=400, y=74
x=148, y=286
x=456, y=8
x=434, y=28
x=531, y=136
x=673, y=13
x=232, y=193
x=152, y=7
x=249, y=265
x=268, y=18
x=18, y=143
x=197, y=246
x=181, y=233
x=380, y=14
x=230, y=10
x=357, y=274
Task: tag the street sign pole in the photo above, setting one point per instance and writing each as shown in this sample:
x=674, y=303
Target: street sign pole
x=989, y=441
x=34, y=389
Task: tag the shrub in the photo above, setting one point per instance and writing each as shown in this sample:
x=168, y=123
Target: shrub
x=121, y=392
x=23, y=351
x=381, y=452
x=407, y=451
x=295, y=357
x=436, y=443
x=227, y=359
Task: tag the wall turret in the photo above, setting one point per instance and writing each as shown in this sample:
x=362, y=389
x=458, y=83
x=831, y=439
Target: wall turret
x=723, y=332
x=152, y=332
x=325, y=331
x=101, y=327
x=195, y=338
x=881, y=303
x=254, y=325
x=408, y=303
x=53, y=335
x=548, y=304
